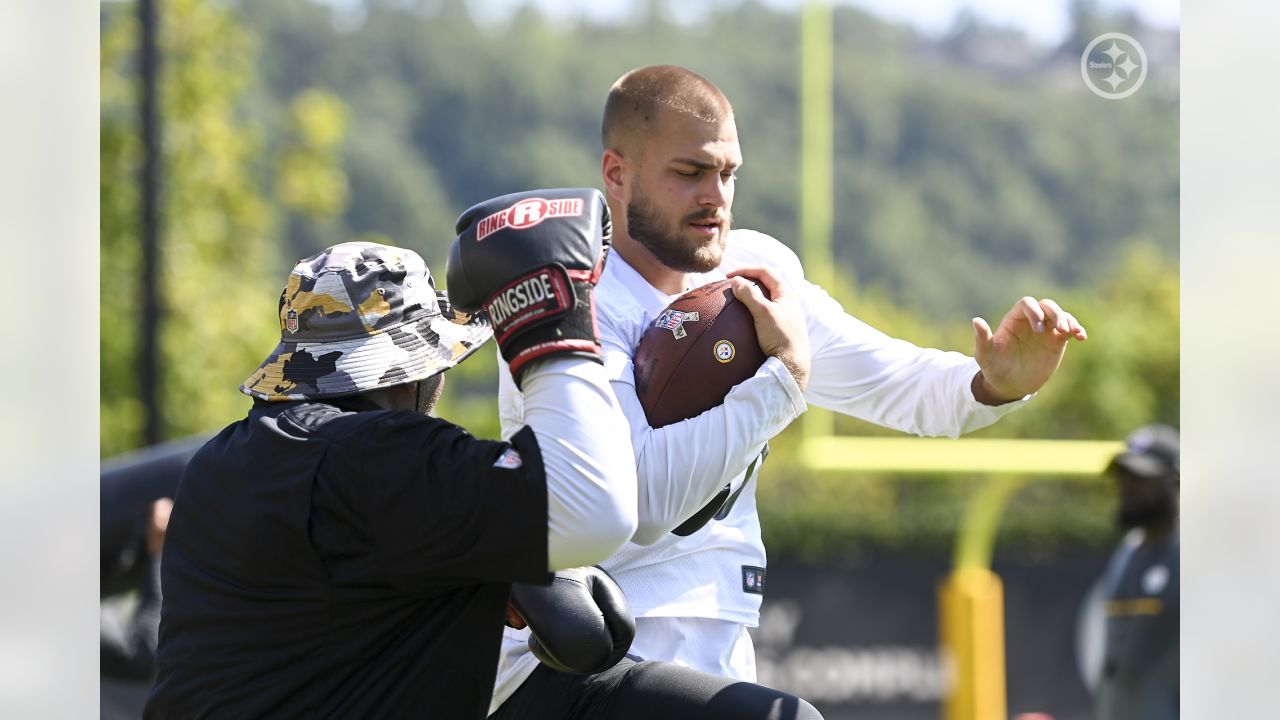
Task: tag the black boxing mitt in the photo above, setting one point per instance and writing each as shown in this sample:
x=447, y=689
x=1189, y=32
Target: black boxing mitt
x=580, y=623
x=531, y=260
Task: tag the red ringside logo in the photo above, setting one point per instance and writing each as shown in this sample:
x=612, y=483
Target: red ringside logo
x=527, y=213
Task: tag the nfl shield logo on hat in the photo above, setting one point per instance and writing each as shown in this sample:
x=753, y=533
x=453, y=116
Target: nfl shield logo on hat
x=291, y=321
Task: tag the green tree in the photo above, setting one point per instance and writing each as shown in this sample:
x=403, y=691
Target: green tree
x=310, y=177
x=220, y=269
x=215, y=259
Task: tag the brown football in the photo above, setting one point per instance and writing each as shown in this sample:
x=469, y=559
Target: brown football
x=697, y=349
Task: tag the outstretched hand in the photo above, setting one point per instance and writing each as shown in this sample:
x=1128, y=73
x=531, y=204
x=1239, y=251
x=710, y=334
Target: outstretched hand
x=1024, y=352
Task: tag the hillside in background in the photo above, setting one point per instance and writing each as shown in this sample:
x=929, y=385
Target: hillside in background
x=970, y=169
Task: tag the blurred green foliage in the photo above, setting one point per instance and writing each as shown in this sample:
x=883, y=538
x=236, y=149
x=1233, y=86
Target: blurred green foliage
x=219, y=261
x=971, y=169
x=310, y=178
x=213, y=277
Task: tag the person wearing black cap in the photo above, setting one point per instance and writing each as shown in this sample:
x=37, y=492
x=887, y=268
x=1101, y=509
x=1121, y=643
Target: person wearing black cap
x=1138, y=678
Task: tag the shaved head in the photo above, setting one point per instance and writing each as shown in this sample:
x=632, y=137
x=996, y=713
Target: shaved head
x=670, y=159
x=634, y=101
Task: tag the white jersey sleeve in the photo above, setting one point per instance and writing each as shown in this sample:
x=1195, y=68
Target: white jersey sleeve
x=510, y=401
x=679, y=467
x=859, y=371
x=591, y=482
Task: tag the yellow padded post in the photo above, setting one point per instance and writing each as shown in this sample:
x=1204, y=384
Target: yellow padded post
x=971, y=630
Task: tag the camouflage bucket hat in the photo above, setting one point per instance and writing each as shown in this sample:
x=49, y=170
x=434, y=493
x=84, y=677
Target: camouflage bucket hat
x=360, y=316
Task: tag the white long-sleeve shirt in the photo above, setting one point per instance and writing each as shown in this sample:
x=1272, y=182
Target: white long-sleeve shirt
x=856, y=370
x=591, y=481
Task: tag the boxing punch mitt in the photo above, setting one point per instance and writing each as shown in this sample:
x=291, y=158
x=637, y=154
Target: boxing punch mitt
x=531, y=260
x=580, y=623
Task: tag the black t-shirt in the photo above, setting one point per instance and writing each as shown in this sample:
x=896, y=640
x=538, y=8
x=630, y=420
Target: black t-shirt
x=326, y=563
x=1140, y=669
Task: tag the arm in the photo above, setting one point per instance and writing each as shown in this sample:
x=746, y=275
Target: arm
x=510, y=402
x=591, y=481
x=535, y=282
x=681, y=466
x=860, y=371
x=580, y=494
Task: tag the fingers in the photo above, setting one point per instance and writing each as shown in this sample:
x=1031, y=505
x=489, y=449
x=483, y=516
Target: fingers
x=780, y=324
x=1030, y=310
x=1061, y=320
x=1054, y=316
x=514, y=618
x=1045, y=315
x=982, y=339
x=982, y=331
x=773, y=287
x=749, y=294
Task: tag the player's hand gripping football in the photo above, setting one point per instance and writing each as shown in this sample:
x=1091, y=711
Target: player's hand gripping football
x=1024, y=352
x=780, y=322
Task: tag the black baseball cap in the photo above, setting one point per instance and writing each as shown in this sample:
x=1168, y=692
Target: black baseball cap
x=1150, y=451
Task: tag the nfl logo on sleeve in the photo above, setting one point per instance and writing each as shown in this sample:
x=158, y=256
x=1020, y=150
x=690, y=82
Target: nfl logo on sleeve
x=509, y=460
x=753, y=579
